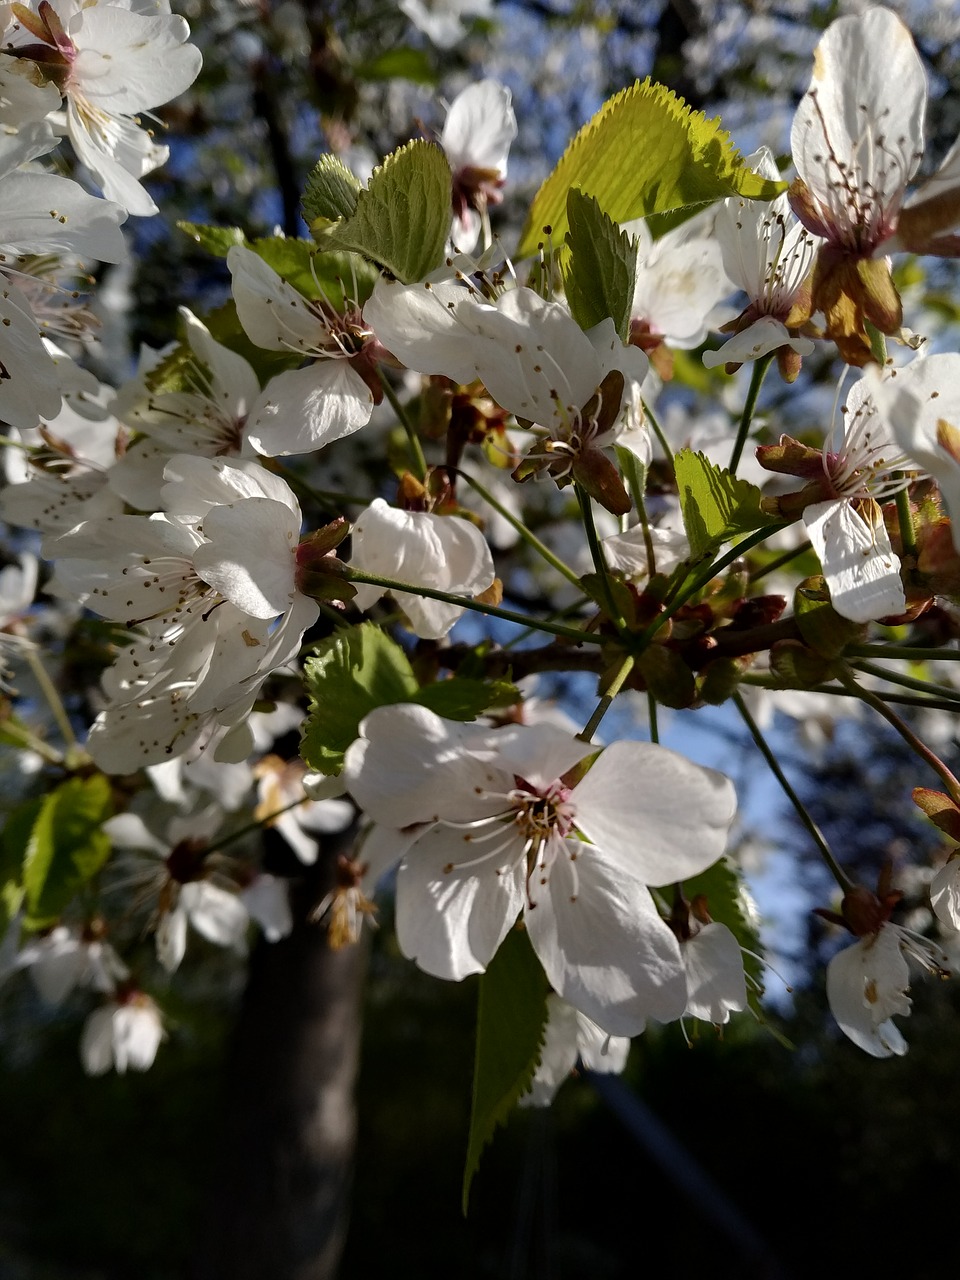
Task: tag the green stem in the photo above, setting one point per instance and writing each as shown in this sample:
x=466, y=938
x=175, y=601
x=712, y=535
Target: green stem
x=419, y=461
x=799, y=807
x=658, y=432
x=701, y=579
x=779, y=561
x=251, y=827
x=52, y=697
x=17, y=734
x=901, y=699
x=530, y=538
x=596, y=555
x=908, y=535
x=760, y=368
x=465, y=602
x=907, y=682
x=846, y=677
x=913, y=653
x=603, y=706
x=652, y=713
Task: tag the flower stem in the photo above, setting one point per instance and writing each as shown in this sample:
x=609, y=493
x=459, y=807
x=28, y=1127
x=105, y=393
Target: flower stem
x=846, y=677
x=52, y=697
x=908, y=535
x=658, y=432
x=251, y=827
x=603, y=706
x=760, y=368
x=419, y=461
x=913, y=653
x=596, y=555
x=779, y=561
x=652, y=713
x=530, y=538
x=465, y=602
x=908, y=682
x=799, y=807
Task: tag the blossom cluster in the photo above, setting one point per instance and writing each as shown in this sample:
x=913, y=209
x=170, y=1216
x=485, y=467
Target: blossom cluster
x=184, y=507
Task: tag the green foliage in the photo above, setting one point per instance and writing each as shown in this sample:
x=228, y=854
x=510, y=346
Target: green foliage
x=729, y=902
x=462, y=699
x=716, y=505
x=331, y=193
x=65, y=846
x=511, y=1017
x=361, y=668
x=600, y=275
x=402, y=218
x=401, y=63
x=216, y=240
x=644, y=152
x=351, y=673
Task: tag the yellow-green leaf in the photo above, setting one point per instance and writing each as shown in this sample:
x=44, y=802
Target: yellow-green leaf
x=403, y=216
x=644, y=152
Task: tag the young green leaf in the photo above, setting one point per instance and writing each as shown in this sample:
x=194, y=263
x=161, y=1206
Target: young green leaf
x=716, y=505
x=644, y=152
x=463, y=699
x=402, y=218
x=351, y=673
x=601, y=273
x=66, y=845
x=216, y=240
x=511, y=1017
x=330, y=194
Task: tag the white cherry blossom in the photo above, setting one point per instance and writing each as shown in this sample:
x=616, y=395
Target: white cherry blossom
x=488, y=828
x=113, y=62
x=446, y=553
x=476, y=138
x=124, y=1034
x=304, y=409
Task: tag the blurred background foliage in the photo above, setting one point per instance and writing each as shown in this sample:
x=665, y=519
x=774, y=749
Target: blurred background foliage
x=786, y=1160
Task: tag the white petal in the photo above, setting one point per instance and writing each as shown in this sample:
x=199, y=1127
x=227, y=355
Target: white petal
x=172, y=938
x=249, y=555
x=866, y=983
x=96, y=1042
x=715, y=981
x=452, y=919
x=859, y=565
x=655, y=813
x=303, y=410
x=758, y=339
x=945, y=894
x=216, y=914
x=479, y=127
x=603, y=945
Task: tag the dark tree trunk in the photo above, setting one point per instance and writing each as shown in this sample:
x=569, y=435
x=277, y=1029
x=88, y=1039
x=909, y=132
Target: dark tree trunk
x=281, y=1206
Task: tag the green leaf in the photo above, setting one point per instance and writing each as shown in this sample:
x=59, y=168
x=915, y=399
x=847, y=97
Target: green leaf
x=351, y=673
x=511, y=1017
x=216, y=240
x=14, y=842
x=729, y=902
x=402, y=63
x=403, y=217
x=644, y=152
x=716, y=505
x=600, y=276
x=331, y=193
x=66, y=845
x=462, y=699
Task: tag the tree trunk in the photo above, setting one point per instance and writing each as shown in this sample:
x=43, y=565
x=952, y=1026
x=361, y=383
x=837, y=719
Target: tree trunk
x=281, y=1206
